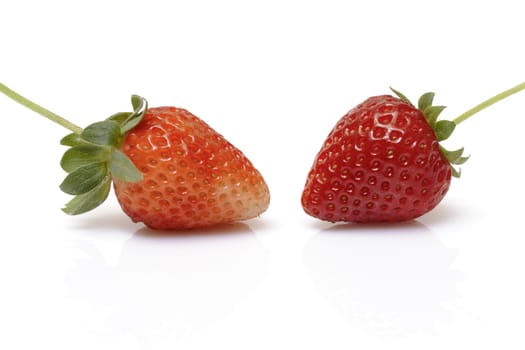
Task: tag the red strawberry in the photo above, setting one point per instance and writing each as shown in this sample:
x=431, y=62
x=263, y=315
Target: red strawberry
x=192, y=175
x=170, y=169
x=382, y=162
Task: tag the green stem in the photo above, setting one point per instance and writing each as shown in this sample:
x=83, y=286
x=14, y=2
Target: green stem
x=489, y=102
x=40, y=110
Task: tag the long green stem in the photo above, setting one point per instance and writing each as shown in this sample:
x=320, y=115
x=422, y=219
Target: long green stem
x=489, y=102
x=39, y=109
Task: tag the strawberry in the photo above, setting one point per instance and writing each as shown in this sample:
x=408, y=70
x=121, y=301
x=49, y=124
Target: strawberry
x=383, y=162
x=170, y=170
x=192, y=175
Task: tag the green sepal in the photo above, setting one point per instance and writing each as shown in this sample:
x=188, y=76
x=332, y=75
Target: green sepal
x=90, y=200
x=72, y=140
x=443, y=129
x=119, y=117
x=128, y=120
x=462, y=160
x=84, y=179
x=123, y=168
x=95, y=157
x=401, y=96
x=140, y=106
x=132, y=122
x=432, y=113
x=454, y=158
x=456, y=172
x=83, y=155
x=425, y=101
x=138, y=103
x=102, y=133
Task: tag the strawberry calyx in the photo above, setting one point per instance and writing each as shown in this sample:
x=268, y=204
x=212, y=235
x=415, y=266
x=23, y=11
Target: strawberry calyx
x=95, y=158
x=442, y=128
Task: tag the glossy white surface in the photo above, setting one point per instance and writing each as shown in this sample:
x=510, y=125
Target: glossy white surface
x=273, y=77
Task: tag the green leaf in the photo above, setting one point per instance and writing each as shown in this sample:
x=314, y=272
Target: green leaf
x=102, y=133
x=401, y=96
x=443, y=129
x=431, y=114
x=89, y=200
x=83, y=155
x=425, y=101
x=84, y=179
x=123, y=168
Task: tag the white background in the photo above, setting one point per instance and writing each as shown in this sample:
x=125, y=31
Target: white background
x=273, y=77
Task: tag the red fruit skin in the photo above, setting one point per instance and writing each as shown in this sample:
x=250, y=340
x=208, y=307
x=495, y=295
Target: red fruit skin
x=193, y=177
x=380, y=163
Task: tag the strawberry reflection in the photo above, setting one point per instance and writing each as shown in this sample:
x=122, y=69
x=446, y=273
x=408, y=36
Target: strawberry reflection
x=170, y=284
x=391, y=280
